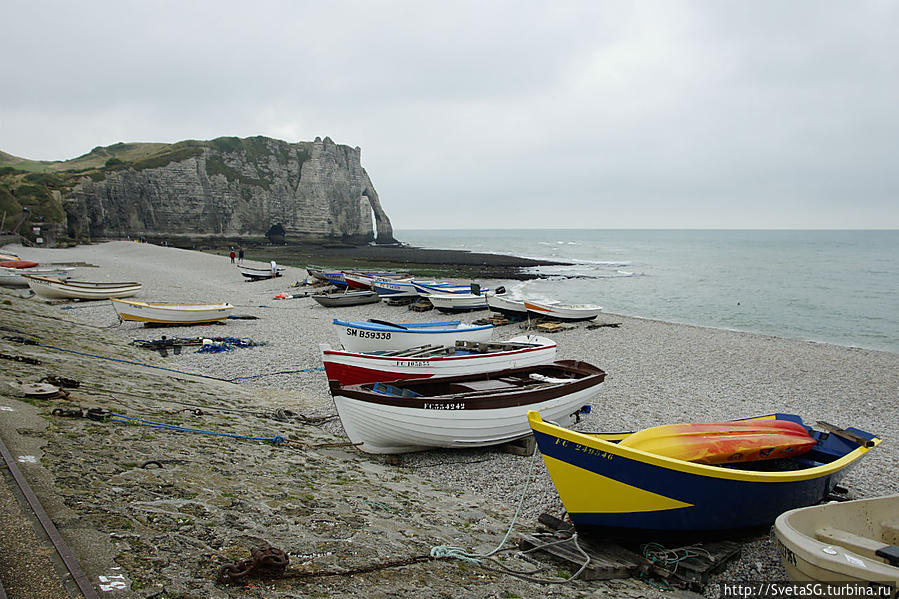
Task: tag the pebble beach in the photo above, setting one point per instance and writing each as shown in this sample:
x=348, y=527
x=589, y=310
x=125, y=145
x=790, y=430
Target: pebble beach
x=167, y=530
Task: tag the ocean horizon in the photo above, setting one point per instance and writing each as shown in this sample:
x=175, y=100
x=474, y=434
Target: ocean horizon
x=838, y=286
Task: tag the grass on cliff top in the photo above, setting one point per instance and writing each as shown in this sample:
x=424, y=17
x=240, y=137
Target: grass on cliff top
x=96, y=158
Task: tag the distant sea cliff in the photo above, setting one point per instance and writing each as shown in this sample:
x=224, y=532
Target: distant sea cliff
x=249, y=189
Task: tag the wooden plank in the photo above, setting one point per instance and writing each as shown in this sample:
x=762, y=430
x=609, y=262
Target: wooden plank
x=606, y=563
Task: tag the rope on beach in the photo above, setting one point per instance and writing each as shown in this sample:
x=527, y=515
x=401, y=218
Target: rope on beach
x=256, y=376
x=133, y=363
x=449, y=551
x=121, y=418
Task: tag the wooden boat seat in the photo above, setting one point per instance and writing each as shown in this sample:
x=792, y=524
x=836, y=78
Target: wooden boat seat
x=871, y=548
x=484, y=385
x=391, y=390
x=890, y=531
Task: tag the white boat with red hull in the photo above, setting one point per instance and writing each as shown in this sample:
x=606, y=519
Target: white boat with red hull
x=464, y=357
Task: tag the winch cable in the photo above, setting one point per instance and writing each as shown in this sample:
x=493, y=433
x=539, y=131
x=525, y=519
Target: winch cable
x=133, y=363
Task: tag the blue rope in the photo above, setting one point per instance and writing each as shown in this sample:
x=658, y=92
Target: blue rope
x=276, y=440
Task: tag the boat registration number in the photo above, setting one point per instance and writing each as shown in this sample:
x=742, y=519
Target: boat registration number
x=367, y=334
x=445, y=406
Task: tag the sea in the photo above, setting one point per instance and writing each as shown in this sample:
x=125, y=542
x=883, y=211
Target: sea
x=830, y=286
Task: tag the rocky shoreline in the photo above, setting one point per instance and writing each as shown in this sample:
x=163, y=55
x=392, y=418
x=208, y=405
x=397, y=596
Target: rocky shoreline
x=166, y=509
x=399, y=257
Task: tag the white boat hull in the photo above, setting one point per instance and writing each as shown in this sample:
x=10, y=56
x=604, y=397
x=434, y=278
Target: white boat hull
x=362, y=339
x=505, y=305
x=351, y=368
x=394, y=289
x=171, y=313
x=458, y=302
x=564, y=312
x=260, y=273
x=49, y=288
x=384, y=429
x=837, y=542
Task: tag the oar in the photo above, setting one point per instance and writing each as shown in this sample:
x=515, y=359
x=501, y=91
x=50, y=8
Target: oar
x=840, y=432
x=386, y=324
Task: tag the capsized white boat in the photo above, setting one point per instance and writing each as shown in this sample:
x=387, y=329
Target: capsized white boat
x=390, y=288
x=336, y=297
x=559, y=311
x=473, y=410
x=850, y=541
x=376, y=335
x=170, y=313
x=464, y=357
x=50, y=288
x=257, y=274
x=504, y=303
x=425, y=289
x=458, y=302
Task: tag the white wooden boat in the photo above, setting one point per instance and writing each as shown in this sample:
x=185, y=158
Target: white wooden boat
x=389, y=288
x=851, y=541
x=12, y=277
x=458, y=302
x=376, y=335
x=258, y=274
x=50, y=288
x=464, y=357
x=559, y=311
x=365, y=279
x=336, y=297
x=472, y=410
x=425, y=289
x=170, y=313
x=502, y=302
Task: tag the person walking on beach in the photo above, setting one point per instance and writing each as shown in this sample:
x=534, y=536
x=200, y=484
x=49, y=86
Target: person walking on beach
x=232, y=255
x=274, y=269
x=240, y=255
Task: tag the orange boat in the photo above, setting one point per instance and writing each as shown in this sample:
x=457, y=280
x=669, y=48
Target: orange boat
x=18, y=264
x=724, y=442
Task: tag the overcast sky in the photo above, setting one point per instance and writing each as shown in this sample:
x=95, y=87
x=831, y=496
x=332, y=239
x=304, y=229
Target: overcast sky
x=592, y=114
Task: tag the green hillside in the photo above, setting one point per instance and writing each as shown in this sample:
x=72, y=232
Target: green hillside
x=40, y=185
x=95, y=159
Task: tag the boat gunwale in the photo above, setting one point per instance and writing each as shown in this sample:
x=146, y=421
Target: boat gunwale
x=598, y=443
x=479, y=400
x=416, y=327
x=86, y=285
x=426, y=359
x=174, y=307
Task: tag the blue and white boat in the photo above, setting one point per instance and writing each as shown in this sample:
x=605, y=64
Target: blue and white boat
x=377, y=335
x=394, y=288
x=425, y=289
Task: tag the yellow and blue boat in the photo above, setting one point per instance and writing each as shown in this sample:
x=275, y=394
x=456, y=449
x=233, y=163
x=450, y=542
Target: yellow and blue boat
x=605, y=485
